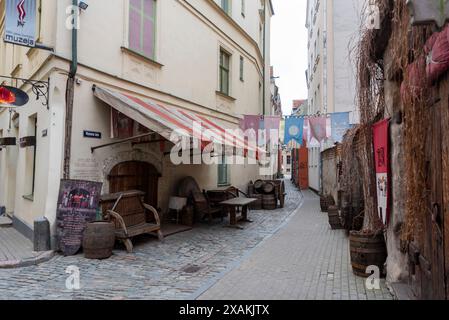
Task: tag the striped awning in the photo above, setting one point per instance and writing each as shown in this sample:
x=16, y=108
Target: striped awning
x=164, y=120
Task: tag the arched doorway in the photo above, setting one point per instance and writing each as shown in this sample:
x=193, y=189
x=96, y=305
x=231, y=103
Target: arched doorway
x=135, y=175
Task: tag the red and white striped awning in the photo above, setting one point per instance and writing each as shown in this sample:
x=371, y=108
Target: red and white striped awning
x=164, y=120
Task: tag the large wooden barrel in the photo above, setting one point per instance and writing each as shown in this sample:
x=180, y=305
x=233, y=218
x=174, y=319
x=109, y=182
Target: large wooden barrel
x=269, y=202
x=98, y=240
x=258, y=204
x=367, y=250
x=323, y=203
x=258, y=186
x=269, y=188
x=330, y=200
x=334, y=217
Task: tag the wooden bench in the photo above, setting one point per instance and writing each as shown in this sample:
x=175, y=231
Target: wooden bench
x=131, y=216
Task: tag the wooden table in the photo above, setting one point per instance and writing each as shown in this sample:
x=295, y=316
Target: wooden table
x=233, y=205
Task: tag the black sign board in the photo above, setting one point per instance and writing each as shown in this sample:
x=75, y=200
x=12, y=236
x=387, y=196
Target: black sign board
x=92, y=134
x=8, y=141
x=78, y=203
x=27, y=142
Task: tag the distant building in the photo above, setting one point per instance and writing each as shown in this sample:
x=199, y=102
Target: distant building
x=276, y=105
x=332, y=32
x=300, y=108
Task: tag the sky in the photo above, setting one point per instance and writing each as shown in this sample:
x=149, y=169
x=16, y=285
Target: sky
x=289, y=50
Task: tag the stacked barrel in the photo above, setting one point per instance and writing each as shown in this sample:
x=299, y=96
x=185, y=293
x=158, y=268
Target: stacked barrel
x=270, y=194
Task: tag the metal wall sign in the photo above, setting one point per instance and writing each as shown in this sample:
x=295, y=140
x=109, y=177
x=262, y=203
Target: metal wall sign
x=91, y=134
x=20, y=22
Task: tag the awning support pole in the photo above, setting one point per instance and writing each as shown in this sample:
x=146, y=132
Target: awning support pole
x=121, y=141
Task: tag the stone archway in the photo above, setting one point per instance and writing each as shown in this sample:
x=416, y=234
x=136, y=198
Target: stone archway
x=151, y=158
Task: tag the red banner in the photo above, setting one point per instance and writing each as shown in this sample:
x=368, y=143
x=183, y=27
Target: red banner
x=318, y=128
x=381, y=158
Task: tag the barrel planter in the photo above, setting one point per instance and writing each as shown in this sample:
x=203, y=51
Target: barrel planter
x=367, y=249
x=269, y=202
x=98, y=240
x=330, y=200
x=257, y=205
x=334, y=218
x=323, y=203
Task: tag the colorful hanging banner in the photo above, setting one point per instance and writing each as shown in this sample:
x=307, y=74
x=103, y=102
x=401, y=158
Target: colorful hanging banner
x=271, y=125
x=318, y=128
x=381, y=156
x=340, y=125
x=294, y=130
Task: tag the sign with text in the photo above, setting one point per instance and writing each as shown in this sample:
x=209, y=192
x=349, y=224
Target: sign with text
x=20, y=22
x=78, y=203
x=91, y=134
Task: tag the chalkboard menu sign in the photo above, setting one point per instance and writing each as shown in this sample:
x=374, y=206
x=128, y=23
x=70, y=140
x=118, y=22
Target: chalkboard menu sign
x=78, y=203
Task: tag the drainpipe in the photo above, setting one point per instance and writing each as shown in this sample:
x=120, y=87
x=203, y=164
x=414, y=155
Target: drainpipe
x=74, y=62
x=70, y=92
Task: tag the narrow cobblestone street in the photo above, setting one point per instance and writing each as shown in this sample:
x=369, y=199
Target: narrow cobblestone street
x=306, y=260
x=284, y=254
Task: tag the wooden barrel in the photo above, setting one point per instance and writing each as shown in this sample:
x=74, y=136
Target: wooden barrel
x=367, y=250
x=323, y=203
x=330, y=200
x=258, y=185
x=269, y=188
x=334, y=218
x=258, y=204
x=269, y=202
x=98, y=240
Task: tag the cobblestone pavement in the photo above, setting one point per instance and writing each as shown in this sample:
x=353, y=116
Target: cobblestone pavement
x=306, y=260
x=156, y=270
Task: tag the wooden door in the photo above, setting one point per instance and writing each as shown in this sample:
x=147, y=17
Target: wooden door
x=303, y=168
x=428, y=273
x=135, y=175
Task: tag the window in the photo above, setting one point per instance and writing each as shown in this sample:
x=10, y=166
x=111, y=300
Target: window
x=289, y=159
x=242, y=66
x=226, y=6
x=223, y=172
x=142, y=27
x=224, y=72
x=243, y=7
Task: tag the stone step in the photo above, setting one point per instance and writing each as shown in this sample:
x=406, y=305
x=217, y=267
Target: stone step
x=5, y=222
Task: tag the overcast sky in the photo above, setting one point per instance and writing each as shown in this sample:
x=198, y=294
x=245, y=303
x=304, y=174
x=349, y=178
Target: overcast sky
x=289, y=50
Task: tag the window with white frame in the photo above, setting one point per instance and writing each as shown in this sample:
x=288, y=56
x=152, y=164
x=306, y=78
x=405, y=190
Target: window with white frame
x=142, y=27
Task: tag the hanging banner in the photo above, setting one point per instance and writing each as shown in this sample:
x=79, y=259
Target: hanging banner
x=318, y=128
x=340, y=125
x=78, y=203
x=294, y=130
x=381, y=156
x=20, y=22
x=271, y=125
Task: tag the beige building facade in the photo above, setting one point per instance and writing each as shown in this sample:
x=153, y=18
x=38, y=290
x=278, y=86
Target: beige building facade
x=202, y=56
x=333, y=28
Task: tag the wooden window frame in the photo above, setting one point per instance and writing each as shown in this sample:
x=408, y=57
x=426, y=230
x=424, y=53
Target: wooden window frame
x=227, y=70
